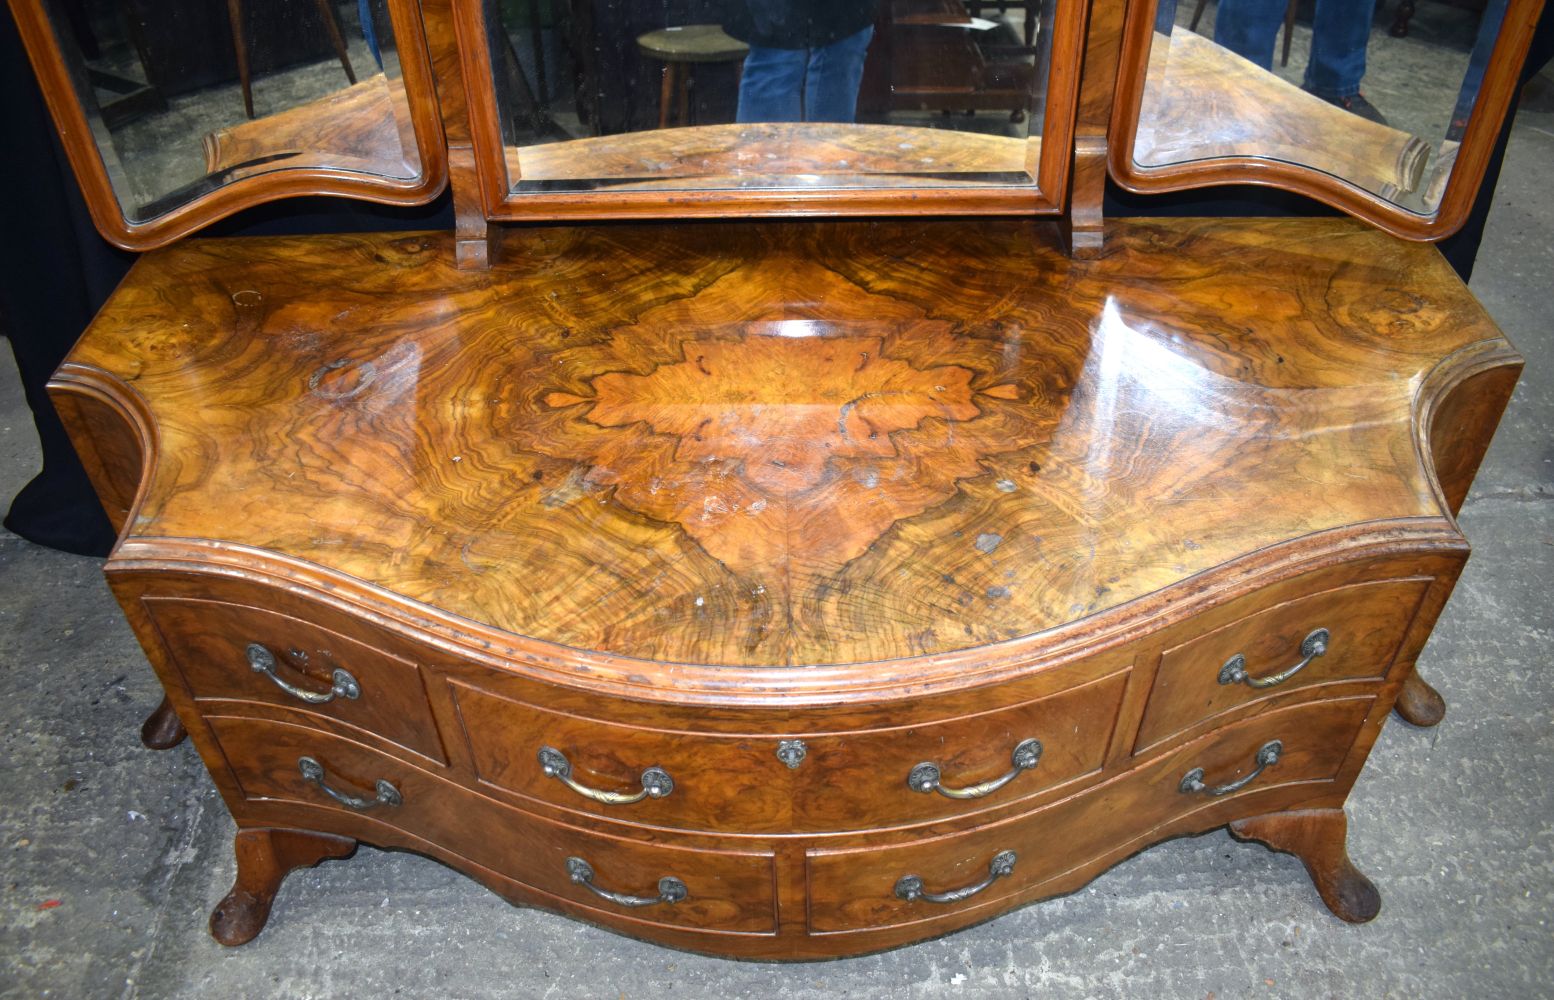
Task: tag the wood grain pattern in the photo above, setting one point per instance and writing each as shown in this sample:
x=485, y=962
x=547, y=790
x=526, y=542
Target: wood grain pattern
x=365, y=128
x=775, y=155
x=970, y=487
x=1203, y=101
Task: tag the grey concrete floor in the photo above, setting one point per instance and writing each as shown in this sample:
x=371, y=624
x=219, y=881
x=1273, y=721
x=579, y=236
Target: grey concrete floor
x=114, y=855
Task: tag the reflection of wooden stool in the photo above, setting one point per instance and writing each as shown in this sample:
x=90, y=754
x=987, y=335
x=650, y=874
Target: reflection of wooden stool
x=680, y=49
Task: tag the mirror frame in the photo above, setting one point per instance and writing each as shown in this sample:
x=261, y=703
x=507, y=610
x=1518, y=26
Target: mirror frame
x=1489, y=111
x=1047, y=195
x=49, y=63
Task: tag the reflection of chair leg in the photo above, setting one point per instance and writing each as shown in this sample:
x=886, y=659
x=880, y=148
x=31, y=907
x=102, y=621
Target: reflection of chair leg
x=666, y=94
x=332, y=22
x=240, y=49
x=1197, y=14
x=1289, y=31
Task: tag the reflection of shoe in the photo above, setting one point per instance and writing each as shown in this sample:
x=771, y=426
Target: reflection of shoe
x=1355, y=104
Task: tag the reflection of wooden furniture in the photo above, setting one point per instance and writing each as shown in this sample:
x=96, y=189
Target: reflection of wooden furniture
x=365, y=127
x=774, y=154
x=680, y=49
x=240, y=46
x=927, y=56
x=1201, y=101
x=684, y=611
x=1289, y=26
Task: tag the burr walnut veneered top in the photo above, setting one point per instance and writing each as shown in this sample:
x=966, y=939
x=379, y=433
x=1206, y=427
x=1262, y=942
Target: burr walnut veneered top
x=784, y=444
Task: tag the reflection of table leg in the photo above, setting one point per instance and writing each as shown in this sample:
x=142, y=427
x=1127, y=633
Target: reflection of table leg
x=332, y=22
x=665, y=94
x=240, y=48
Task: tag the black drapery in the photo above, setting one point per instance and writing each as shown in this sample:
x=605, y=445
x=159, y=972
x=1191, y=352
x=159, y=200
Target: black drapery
x=56, y=271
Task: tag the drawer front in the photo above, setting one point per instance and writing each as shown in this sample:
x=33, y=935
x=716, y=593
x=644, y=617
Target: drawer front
x=877, y=778
x=856, y=890
x=217, y=647
x=725, y=891
x=1197, y=680
x=844, y=781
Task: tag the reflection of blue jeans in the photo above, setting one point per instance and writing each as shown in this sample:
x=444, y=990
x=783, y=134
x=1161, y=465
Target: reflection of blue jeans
x=1339, y=33
x=1488, y=34
x=811, y=85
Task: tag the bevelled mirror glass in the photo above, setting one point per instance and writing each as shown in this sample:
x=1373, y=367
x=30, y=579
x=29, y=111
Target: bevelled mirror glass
x=1378, y=97
x=184, y=98
x=774, y=95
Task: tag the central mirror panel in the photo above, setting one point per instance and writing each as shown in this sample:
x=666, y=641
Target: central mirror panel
x=777, y=95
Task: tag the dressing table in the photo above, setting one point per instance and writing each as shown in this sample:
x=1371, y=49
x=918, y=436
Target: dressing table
x=782, y=540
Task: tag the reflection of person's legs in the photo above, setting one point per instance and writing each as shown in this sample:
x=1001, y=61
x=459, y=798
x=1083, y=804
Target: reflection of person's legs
x=1488, y=34
x=835, y=71
x=770, y=87
x=1340, y=32
x=1249, y=28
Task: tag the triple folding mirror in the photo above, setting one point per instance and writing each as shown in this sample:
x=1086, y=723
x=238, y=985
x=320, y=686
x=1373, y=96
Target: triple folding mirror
x=176, y=112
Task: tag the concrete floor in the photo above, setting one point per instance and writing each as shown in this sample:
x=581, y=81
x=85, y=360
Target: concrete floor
x=114, y=855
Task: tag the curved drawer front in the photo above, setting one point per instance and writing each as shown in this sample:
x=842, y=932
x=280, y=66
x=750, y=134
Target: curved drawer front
x=861, y=889
x=236, y=652
x=1345, y=634
x=890, y=777
x=723, y=891
x=743, y=782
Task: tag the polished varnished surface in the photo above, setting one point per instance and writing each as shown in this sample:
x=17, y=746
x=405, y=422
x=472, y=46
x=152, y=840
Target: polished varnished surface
x=792, y=156
x=784, y=445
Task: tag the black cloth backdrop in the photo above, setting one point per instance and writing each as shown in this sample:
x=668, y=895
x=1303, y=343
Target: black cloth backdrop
x=56, y=271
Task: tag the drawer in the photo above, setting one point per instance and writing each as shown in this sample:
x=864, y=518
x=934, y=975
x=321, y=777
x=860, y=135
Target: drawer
x=856, y=889
x=1197, y=681
x=861, y=780
x=844, y=781
x=217, y=647
x=725, y=891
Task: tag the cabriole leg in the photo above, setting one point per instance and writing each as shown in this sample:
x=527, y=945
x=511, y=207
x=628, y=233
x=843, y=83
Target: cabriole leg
x=1316, y=837
x=264, y=858
x=162, y=730
x=1420, y=704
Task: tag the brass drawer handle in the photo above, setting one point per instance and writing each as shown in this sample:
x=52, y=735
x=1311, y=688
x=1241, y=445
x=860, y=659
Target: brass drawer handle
x=910, y=887
x=1311, y=647
x=1267, y=756
x=925, y=776
x=670, y=889
x=656, y=782
x=313, y=774
x=263, y=662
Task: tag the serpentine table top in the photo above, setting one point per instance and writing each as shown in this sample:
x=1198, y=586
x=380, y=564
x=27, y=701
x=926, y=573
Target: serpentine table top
x=781, y=447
